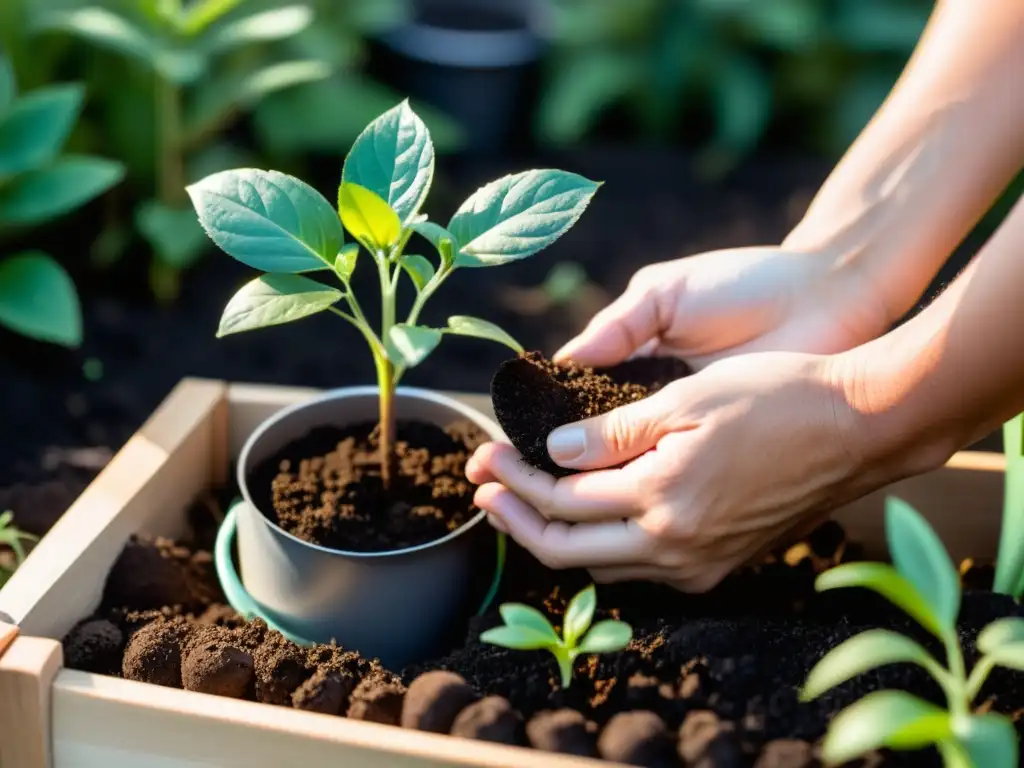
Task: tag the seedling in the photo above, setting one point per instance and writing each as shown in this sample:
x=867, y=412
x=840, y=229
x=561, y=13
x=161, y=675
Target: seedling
x=923, y=583
x=1009, y=578
x=12, y=537
x=282, y=226
x=527, y=629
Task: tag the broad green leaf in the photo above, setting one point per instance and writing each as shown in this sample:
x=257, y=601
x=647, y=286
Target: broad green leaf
x=275, y=24
x=419, y=269
x=520, y=615
x=990, y=740
x=1010, y=559
x=519, y=638
x=275, y=300
x=33, y=131
x=394, y=158
x=38, y=299
x=1010, y=655
x=578, y=615
x=68, y=183
x=174, y=233
x=518, y=215
x=886, y=581
x=463, y=325
x=606, y=637
x=345, y=263
x=367, y=217
x=202, y=13
x=870, y=649
x=268, y=220
x=892, y=719
x=443, y=241
x=8, y=85
x=919, y=555
x=409, y=345
x=1001, y=632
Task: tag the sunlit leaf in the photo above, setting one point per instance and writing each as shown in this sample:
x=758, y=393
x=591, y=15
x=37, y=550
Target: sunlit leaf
x=202, y=13
x=463, y=325
x=35, y=128
x=520, y=638
x=1010, y=655
x=367, y=217
x=418, y=268
x=409, y=345
x=520, y=615
x=345, y=263
x=990, y=740
x=104, y=28
x=274, y=300
x=1001, y=632
x=38, y=299
x=275, y=24
x=68, y=183
x=893, y=719
x=606, y=636
x=578, y=615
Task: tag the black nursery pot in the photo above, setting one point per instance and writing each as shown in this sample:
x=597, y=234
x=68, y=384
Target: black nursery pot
x=472, y=59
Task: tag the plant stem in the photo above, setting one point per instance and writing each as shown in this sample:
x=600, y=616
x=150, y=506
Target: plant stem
x=386, y=371
x=565, y=660
x=959, y=704
x=978, y=675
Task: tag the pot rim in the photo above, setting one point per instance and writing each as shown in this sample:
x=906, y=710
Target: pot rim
x=488, y=425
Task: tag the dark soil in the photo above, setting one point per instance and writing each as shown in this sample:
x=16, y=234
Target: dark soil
x=326, y=487
x=533, y=396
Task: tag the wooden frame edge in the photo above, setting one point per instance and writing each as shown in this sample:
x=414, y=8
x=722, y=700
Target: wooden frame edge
x=27, y=672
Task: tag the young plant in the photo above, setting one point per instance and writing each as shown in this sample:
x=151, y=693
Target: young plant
x=12, y=537
x=205, y=74
x=527, y=629
x=38, y=183
x=923, y=583
x=1009, y=578
x=282, y=226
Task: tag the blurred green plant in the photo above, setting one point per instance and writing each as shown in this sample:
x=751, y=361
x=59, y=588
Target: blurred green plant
x=37, y=183
x=12, y=537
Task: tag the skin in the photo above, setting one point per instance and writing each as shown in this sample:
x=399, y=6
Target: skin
x=802, y=400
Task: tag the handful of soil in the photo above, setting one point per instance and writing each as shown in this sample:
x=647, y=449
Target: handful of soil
x=533, y=396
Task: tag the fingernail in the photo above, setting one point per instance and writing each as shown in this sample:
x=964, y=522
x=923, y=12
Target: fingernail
x=567, y=444
x=497, y=523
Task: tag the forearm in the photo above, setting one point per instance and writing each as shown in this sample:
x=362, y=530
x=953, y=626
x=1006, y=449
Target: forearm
x=935, y=156
x=950, y=375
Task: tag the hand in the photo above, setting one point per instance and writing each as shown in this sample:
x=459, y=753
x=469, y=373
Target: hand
x=723, y=464
x=722, y=303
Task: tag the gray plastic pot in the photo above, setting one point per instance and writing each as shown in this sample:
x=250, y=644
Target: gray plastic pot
x=395, y=605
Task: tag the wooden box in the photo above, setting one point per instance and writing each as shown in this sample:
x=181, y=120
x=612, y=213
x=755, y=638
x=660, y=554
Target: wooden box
x=53, y=716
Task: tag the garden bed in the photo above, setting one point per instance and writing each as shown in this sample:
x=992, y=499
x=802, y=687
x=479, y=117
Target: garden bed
x=714, y=676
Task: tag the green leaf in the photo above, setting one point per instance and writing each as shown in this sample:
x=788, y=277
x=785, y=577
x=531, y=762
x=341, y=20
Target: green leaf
x=989, y=739
x=870, y=649
x=38, y=299
x=520, y=615
x=1001, y=632
x=8, y=85
x=103, y=28
x=443, y=241
x=275, y=300
x=202, y=13
x=394, y=158
x=173, y=233
x=1010, y=559
x=606, y=637
x=518, y=215
x=36, y=127
x=70, y=182
x=918, y=554
x=275, y=24
x=345, y=262
x=463, y=325
x=268, y=220
x=519, y=638
x=886, y=581
x=578, y=615
x=1010, y=656
x=892, y=719
x=409, y=345
x=367, y=217
x=419, y=269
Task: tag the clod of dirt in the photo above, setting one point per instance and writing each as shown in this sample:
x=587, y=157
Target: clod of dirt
x=94, y=646
x=326, y=488
x=212, y=663
x=700, y=731
x=377, y=701
x=786, y=753
x=280, y=669
x=324, y=692
x=562, y=730
x=435, y=699
x=153, y=573
x=638, y=738
x=532, y=396
x=646, y=692
x=490, y=719
x=153, y=654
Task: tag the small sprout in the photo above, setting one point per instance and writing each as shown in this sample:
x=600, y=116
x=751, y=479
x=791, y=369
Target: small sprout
x=924, y=584
x=527, y=629
x=12, y=537
x=1009, y=577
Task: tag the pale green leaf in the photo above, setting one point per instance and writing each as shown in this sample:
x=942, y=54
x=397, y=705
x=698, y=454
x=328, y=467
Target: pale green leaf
x=8, y=85
x=174, y=233
x=268, y=220
x=275, y=24
x=419, y=269
x=38, y=299
x=1010, y=655
x=1001, y=632
x=870, y=649
x=518, y=215
x=520, y=615
x=578, y=615
x=35, y=128
x=368, y=217
x=443, y=241
x=990, y=740
x=518, y=638
x=886, y=581
x=104, y=28
x=892, y=719
x=71, y=181
x=919, y=555
x=409, y=345
x=463, y=325
x=275, y=300
x=345, y=263
x=606, y=636
x=202, y=13
x=1009, y=578
x=394, y=158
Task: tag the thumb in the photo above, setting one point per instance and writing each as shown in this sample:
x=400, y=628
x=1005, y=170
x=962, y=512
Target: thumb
x=617, y=436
